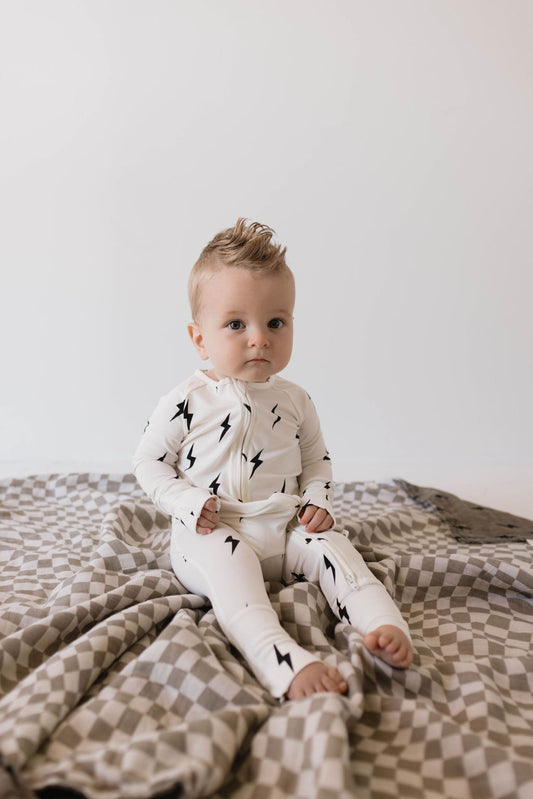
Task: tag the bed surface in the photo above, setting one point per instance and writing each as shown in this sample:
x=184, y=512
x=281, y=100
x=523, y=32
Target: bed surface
x=116, y=683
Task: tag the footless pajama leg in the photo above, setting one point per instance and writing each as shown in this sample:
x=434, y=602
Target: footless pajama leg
x=354, y=594
x=223, y=567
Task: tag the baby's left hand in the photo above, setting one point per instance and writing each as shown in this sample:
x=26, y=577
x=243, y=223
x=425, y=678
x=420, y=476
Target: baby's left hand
x=314, y=519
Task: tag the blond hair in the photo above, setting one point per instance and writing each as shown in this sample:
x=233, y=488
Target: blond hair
x=246, y=245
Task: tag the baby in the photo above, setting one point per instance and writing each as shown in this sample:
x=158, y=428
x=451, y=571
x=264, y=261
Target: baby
x=235, y=455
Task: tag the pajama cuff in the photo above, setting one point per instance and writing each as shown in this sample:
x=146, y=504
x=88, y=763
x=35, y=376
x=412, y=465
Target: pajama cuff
x=188, y=509
x=318, y=498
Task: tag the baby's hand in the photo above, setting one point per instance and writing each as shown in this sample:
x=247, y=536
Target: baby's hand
x=314, y=519
x=208, y=517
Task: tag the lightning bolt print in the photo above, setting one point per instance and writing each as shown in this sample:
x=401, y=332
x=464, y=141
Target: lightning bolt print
x=283, y=658
x=329, y=565
x=256, y=460
x=343, y=613
x=183, y=410
x=278, y=419
x=234, y=543
x=190, y=458
x=215, y=485
x=300, y=578
x=225, y=425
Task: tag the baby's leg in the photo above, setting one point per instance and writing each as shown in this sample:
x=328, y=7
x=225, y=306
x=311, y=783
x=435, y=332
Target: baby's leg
x=225, y=569
x=352, y=591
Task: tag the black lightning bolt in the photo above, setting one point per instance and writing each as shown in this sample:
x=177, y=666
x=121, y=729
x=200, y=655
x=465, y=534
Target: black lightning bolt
x=300, y=578
x=247, y=407
x=256, y=460
x=215, y=485
x=326, y=457
x=225, y=425
x=183, y=410
x=162, y=458
x=234, y=543
x=190, y=458
x=283, y=658
x=283, y=487
x=329, y=565
x=343, y=613
x=274, y=423
x=327, y=485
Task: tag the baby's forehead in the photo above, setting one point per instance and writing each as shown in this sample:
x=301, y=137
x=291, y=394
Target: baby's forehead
x=238, y=286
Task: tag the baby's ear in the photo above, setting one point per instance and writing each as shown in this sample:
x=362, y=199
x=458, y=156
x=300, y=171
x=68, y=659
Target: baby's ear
x=198, y=340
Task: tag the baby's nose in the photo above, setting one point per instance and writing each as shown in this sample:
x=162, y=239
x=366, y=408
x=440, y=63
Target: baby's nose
x=258, y=337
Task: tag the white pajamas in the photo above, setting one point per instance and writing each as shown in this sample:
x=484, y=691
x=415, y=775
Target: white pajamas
x=257, y=448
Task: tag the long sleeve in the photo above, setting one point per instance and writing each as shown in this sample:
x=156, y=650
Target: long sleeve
x=155, y=462
x=316, y=477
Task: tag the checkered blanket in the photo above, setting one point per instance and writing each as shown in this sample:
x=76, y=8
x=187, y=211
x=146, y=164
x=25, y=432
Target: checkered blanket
x=117, y=683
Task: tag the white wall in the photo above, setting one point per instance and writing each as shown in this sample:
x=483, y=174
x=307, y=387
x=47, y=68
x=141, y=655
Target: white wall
x=389, y=145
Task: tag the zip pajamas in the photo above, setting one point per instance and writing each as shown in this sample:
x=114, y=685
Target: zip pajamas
x=258, y=449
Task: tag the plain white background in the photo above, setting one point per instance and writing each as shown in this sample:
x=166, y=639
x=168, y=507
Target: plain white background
x=389, y=145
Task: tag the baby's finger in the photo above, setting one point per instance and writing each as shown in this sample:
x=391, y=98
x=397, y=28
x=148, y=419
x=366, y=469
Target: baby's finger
x=325, y=524
x=209, y=517
x=307, y=513
x=210, y=504
x=315, y=524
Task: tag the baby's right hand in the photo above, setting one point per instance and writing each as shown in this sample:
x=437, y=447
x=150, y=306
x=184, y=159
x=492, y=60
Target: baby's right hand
x=208, y=517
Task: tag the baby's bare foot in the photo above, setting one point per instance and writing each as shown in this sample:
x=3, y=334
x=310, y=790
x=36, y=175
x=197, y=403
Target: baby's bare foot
x=316, y=678
x=391, y=645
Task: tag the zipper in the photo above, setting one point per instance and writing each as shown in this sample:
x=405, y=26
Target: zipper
x=341, y=563
x=248, y=410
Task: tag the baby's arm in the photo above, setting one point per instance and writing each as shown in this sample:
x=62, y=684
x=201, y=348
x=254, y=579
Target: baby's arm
x=155, y=464
x=316, y=477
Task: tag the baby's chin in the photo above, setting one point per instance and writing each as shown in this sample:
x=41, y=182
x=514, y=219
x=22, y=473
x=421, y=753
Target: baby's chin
x=257, y=370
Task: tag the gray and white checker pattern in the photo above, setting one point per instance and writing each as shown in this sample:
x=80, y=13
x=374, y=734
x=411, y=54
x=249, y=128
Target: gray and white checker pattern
x=116, y=683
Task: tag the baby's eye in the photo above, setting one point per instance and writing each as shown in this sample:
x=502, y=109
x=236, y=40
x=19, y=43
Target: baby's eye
x=235, y=325
x=276, y=323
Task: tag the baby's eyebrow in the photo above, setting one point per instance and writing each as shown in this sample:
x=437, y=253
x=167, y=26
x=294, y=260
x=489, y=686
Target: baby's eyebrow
x=275, y=312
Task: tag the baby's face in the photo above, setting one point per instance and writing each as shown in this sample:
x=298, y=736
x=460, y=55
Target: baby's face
x=245, y=324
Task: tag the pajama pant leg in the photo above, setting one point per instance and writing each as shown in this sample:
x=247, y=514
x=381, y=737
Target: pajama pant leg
x=225, y=569
x=354, y=594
